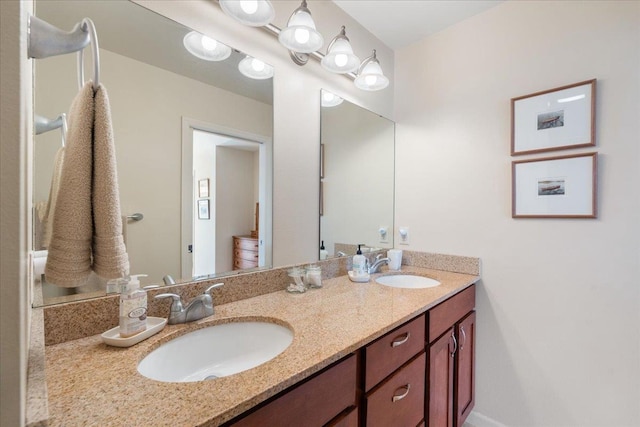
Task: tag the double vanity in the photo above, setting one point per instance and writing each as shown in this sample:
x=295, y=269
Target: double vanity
x=352, y=354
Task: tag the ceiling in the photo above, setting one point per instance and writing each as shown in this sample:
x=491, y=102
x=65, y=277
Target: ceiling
x=399, y=23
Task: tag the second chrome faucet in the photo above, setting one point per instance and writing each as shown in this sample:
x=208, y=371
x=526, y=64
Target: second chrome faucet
x=200, y=307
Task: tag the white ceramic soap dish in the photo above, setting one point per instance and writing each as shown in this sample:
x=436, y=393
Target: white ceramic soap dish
x=354, y=278
x=154, y=325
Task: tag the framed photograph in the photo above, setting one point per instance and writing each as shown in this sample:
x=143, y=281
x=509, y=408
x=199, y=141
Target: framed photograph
x=555, y=187
x=203, y=187
x=555, y=119
x=203, y=209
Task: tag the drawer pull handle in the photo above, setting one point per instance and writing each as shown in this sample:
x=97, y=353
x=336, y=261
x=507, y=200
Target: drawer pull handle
x=464, y=338
x=397, y=397
x=399, y=341
x=455, y=345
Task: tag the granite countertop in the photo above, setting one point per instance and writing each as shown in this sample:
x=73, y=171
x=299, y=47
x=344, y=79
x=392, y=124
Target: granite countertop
x=90, y=383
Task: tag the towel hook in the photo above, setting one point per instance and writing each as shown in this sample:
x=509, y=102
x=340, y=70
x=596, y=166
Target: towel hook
x=87, y=25
x=42, y=125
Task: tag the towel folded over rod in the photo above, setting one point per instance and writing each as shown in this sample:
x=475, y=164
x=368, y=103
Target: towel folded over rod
x=87, y=223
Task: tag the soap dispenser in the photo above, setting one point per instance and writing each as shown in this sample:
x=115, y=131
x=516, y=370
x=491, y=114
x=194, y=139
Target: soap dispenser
x=133, y=308
x=324, y=254
x=359, y=263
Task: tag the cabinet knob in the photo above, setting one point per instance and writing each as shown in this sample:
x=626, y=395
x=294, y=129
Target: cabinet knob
x=399, y=341
x=397, y=397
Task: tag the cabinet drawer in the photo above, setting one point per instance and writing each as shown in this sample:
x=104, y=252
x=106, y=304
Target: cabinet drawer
x=313, y=403
x=240, y=264
x=245, y=243
x=245, y=254
x=446, y=314
x=392, y=350
x=399, y=401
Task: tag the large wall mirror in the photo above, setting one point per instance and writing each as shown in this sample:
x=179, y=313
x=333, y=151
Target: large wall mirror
x=357, y=150
x=193, y=142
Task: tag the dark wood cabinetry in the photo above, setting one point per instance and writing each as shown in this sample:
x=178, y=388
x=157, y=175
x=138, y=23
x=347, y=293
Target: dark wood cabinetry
x=399, y=401
x=315, y=402
x=245, y=252
x=392, y=381
x=451, y=371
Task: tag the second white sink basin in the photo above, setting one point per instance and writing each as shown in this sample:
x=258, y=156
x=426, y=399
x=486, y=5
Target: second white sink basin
x=216, y=351
x=407, y=281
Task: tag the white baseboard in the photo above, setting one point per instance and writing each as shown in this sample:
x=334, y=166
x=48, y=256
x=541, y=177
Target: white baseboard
x=476, y=419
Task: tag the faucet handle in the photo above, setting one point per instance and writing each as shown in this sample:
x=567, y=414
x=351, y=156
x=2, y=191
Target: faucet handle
x=208, y=290
x=176, y=304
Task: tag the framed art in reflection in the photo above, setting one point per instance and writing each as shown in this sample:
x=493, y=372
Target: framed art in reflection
x=203, y=209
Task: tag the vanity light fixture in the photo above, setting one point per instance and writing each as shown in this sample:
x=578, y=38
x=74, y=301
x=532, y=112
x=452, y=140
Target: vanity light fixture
x=330, y=100
x=255, y=13
x=340, y=57
x=204, y=47
x=370, y=76
x=255, y=68
x=300, y=35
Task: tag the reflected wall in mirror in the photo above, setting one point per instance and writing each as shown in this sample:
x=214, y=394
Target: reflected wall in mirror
x=161, y=96
x=356, y=177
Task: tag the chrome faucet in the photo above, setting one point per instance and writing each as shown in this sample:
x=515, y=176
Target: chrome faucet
x=375, y=267
x=200, y=307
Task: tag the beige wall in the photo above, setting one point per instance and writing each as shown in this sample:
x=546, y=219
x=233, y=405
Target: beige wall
x=559, y=303
x=15, y=224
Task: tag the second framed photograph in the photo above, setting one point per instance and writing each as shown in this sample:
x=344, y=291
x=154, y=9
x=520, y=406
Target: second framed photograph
x=555, y=187
x=203, y=209
x=554, y=119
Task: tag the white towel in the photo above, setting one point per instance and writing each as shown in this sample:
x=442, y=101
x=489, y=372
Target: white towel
x=87, y=228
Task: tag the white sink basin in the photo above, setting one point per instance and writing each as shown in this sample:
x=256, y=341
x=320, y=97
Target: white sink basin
x=216, y=351
x=407, y=281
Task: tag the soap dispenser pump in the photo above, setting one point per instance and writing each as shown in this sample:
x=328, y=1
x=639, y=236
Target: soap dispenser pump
x=133, y=308
x=324, y=254
x=359, y=263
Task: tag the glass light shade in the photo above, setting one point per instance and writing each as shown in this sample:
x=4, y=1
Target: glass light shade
x=205, y=47
x=255, y=68
x=370, y=76
x=340, y=57
x=255, y=13
x=301, y=35
x=330, y=100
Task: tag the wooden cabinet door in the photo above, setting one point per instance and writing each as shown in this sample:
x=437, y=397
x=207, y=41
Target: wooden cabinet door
x=440, y=392
x=465, y=364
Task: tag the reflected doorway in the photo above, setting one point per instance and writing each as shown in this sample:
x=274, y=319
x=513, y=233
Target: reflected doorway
x=225, y=221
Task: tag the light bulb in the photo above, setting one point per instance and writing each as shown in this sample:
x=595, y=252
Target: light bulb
x=370, y=80
x=302, y=35
x=341, y=59
x=249, y=6
x=257, y=65
x=208, y=43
